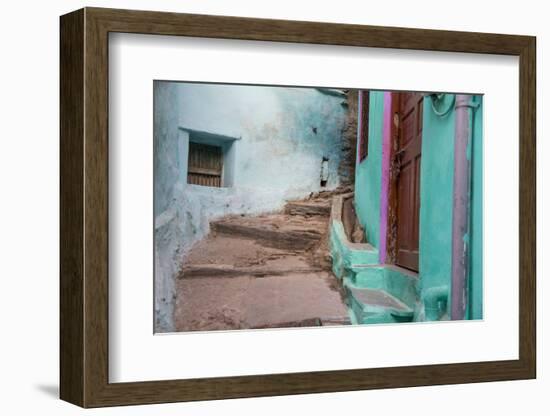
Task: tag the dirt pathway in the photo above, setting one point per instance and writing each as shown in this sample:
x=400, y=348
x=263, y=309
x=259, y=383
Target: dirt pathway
x=263, y=271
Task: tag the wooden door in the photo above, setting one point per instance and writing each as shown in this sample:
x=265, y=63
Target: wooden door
x=407, y=160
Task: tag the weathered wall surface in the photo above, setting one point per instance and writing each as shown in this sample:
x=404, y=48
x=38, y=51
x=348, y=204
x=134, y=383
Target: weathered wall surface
x=368, y=173
x=167, y=227
x=285, y=132
x=349, y=140
x=165, y=145
x=436, y=207
x=282, y=136
x=476, y=229
x=436, y=198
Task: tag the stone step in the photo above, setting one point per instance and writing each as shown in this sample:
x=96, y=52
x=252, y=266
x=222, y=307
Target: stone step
x=308, y=209
x=371, y=306
x=309, y=322
x=336, y=321
x=293, y=239
x=192, y=271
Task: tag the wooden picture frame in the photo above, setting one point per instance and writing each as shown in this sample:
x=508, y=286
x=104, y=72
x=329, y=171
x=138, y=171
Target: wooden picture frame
x=84, y=207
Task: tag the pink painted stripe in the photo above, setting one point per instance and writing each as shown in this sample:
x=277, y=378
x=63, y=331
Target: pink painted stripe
x=386, y=149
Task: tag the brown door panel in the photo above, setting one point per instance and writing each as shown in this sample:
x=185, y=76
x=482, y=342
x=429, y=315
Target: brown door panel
x=408, y=259
x=403, y=197
x=408, y=158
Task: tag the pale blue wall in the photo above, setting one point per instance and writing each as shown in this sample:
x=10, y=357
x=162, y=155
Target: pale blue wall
x=282, y=136
x=368, y=173
x=166, y=147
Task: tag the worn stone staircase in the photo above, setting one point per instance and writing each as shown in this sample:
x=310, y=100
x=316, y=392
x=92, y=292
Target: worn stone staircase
x=374, y=293
x=263, y=271
x=282, y=231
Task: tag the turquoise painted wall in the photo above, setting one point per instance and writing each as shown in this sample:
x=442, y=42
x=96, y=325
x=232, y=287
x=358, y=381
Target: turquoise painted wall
x=436, y=197
x=436, y=201
x=475, y=310
x=368, y=174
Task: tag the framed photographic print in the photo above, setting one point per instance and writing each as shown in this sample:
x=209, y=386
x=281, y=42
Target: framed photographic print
x=255, y=207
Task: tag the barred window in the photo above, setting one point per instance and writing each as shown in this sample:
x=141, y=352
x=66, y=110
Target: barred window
x=205, y=165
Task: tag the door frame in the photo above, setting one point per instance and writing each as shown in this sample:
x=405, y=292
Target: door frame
x=391, y=234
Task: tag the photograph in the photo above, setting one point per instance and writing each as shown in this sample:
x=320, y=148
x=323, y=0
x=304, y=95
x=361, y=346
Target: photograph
x=294, y=206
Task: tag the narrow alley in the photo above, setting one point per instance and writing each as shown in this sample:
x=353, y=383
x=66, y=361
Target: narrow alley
x=279, y=207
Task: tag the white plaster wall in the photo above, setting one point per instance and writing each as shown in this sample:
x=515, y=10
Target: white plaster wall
x=275, y=125
x=283, y=135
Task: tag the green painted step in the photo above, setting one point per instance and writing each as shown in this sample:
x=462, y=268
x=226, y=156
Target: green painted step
x=371, y=306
